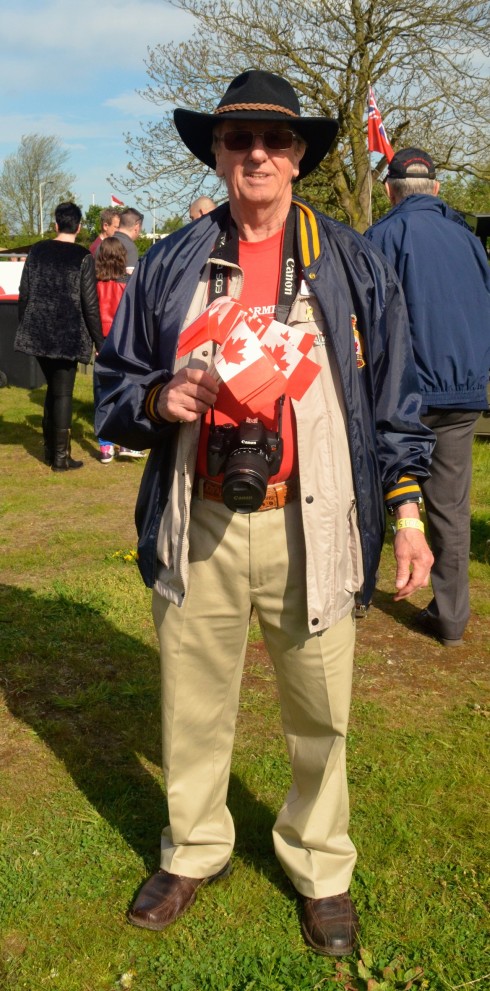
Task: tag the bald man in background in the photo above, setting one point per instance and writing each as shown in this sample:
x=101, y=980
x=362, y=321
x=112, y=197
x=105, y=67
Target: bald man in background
x=203, y=204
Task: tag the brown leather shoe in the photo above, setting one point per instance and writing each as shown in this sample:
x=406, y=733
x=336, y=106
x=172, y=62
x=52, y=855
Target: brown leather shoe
x=330, y=925
x=165, y=897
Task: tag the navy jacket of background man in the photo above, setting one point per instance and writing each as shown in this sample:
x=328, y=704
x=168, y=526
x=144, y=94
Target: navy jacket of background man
x=349, y=278
x=445, y=275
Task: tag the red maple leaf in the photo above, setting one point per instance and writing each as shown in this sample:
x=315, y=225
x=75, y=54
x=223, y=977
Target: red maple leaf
x=279, y=355
x=232, y=350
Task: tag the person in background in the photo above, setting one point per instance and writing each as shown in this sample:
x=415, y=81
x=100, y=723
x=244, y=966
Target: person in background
x=203, y=204
x=109, y=224
x=59, y=323
x=110, y=271
x=130, y=224
x=446, y=280
x=213, y=544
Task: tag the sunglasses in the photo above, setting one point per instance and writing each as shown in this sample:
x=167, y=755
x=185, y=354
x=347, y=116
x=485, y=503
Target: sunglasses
x=279, y=140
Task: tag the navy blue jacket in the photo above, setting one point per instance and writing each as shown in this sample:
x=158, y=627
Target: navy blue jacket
x=445, y=276
x=381, y=398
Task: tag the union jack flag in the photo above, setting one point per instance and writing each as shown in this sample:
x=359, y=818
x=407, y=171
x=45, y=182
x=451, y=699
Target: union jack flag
x=377, y=137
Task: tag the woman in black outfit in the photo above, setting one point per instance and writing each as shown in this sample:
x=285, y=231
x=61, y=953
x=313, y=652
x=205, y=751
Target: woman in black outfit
x=59, y=324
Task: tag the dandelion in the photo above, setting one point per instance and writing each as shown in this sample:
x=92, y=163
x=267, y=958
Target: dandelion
x=128, y=556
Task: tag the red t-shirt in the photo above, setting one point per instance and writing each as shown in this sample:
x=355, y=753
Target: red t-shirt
x=261, y=265
x=109, y=293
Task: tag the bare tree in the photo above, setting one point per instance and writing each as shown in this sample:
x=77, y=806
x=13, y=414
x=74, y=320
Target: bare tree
x=425, y=59
x=32, y=179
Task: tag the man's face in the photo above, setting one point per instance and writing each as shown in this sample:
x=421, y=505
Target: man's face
x=135, y=231
x=258, y=176
x=112, y=227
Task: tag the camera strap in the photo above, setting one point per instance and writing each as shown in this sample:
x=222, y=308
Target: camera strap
x=227, y=248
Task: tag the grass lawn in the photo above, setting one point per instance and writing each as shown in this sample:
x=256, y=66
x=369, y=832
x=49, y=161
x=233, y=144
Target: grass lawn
x=82, y=802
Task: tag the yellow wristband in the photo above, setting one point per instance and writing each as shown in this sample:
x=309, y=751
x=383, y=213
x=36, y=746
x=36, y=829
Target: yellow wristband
x=409, y=523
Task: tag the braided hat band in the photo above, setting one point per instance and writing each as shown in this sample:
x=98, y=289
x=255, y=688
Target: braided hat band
x=269, y=107
x=261, y=96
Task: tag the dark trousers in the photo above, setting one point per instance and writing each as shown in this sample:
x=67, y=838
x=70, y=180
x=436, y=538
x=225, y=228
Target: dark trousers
x=447, y=505
x=60, y=375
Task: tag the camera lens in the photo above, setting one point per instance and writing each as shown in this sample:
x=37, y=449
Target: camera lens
x=245, y=480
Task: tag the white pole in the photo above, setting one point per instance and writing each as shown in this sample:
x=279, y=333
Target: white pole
x=41, y=221
x=44, y=182
x=370, y=181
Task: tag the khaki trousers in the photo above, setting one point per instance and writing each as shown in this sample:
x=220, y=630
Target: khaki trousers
x=238, y=562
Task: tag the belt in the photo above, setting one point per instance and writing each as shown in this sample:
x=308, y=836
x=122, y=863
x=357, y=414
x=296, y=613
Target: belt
x=276, y=496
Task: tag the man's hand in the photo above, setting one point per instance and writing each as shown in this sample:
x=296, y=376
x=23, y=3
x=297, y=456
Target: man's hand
x=189, y=394
x=414, y=560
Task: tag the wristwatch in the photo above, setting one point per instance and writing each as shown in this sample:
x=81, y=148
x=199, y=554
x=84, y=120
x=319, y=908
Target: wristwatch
x=394, y=506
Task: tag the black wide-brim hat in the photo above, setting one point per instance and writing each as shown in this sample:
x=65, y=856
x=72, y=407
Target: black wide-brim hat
x=258, y=95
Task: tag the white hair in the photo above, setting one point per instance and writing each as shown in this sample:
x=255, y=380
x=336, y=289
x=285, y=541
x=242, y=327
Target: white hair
x=412, y=186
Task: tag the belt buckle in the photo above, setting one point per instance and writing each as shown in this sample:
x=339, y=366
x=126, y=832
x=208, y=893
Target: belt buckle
x=276, y=496
x=270, y=501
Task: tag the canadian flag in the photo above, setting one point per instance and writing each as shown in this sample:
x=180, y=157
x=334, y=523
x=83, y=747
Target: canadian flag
x=248, y=369
x=116, y=202
x=300, y=339
x=298, y=370
x=213, y=324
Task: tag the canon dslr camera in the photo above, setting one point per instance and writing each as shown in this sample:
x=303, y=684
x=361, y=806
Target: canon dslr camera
x=248, y=455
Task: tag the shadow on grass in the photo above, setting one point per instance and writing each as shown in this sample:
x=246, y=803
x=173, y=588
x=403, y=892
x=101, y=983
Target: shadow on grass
x=404, y=612
x=29, y=433
x=480, y=537
x=92, y=693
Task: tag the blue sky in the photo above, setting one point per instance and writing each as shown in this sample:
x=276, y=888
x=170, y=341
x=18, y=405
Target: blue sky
x=71, y=68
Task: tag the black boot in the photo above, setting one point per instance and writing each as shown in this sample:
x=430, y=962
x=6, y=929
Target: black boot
x=62, y=452
x=48, y=439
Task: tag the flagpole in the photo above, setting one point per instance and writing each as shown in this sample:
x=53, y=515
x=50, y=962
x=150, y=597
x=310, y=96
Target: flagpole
x=370, y=174
x=377, y=141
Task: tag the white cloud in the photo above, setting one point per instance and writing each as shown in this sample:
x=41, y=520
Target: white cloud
x=131, y=104
x=69, y=39
x=68, y=129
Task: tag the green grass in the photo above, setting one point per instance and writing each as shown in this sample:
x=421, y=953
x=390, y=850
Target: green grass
x=82, y=797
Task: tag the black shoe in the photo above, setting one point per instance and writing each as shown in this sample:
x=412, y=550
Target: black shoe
x=62, y=459
x=428, y=625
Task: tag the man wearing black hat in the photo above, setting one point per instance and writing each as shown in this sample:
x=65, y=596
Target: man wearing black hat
x=446, y=280
x=281, y=511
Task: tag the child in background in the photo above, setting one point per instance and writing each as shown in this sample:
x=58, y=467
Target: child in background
x=110, y=270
